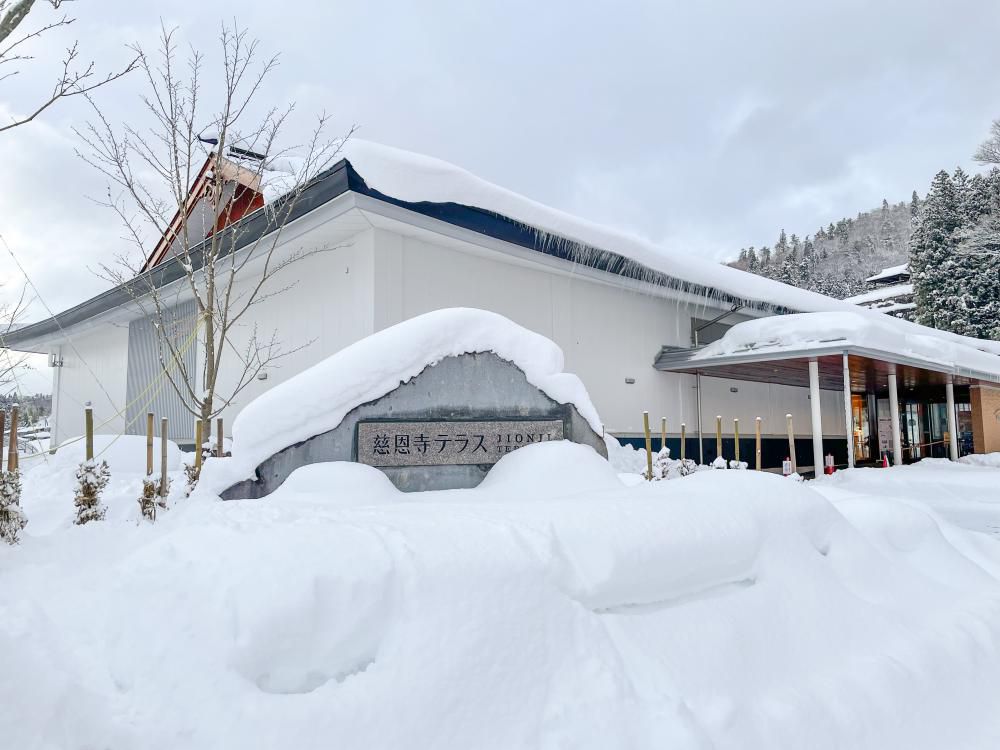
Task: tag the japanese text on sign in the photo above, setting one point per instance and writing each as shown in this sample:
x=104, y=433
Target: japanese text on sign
x=440, y=443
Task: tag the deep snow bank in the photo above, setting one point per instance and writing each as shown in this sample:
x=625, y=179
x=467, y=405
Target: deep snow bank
x=317, y=399
x=725, y=610
x=49, y=481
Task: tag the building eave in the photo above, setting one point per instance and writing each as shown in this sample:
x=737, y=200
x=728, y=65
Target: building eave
x=339, y=179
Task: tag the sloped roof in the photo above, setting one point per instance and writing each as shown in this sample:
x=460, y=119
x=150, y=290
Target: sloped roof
x=903, y=269
x=445, y=192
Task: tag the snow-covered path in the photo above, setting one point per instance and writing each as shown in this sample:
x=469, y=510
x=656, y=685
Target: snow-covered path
x=551, y=607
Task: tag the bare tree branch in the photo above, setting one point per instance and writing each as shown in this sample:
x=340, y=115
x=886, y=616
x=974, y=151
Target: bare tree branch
x=187, y=180
x=75, y=79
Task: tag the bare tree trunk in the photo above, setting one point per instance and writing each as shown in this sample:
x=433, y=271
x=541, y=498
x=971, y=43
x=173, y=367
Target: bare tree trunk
x=226, y=153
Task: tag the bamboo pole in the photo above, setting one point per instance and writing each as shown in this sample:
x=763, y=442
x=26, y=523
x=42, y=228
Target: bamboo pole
x=164, y=432
x=88, y=421
x=649, y=446
x=718, y=435
x=198, y=440
x=150, y=421
x=219, y=439
x=12, y=448
x=757, y=441
x=663, y=433
x=683, y=439
x=791, y=442
x=736, y=439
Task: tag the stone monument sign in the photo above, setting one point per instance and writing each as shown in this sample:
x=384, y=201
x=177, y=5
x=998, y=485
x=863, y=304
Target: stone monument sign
x=443, y=429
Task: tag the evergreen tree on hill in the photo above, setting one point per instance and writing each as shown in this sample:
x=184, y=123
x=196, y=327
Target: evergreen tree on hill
x=931, y=249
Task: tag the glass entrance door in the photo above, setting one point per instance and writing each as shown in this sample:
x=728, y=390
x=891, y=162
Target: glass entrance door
x=862, y=429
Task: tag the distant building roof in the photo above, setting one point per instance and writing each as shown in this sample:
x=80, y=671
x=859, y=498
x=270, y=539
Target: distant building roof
x=892, y=272
x=883, y=293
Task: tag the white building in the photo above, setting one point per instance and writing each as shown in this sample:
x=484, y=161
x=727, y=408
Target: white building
x=410, y=234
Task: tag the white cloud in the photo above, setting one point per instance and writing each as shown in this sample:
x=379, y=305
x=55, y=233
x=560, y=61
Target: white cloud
x=710, y=126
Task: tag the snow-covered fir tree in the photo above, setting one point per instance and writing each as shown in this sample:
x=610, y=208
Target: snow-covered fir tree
x=91, y=479
x=931, y=253
x=12, y=517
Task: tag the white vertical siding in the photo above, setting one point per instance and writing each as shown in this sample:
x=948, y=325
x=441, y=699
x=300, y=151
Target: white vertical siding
x=148, y=388
x=329, y=307
x=105, y=351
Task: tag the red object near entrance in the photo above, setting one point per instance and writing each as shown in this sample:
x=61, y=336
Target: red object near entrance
x=885, y=461
x=828, y=464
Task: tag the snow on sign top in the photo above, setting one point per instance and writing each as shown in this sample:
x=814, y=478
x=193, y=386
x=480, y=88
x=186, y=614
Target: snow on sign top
x=860, y=329
x=317, y=399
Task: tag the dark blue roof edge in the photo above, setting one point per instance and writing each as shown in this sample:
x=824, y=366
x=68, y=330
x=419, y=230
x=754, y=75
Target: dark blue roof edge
x=334, y=182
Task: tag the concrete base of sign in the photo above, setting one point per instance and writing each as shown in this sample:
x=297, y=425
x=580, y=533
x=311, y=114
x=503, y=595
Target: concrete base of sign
x=469, y=387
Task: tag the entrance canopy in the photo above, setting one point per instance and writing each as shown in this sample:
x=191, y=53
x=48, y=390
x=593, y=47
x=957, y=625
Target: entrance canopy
x=778, y=350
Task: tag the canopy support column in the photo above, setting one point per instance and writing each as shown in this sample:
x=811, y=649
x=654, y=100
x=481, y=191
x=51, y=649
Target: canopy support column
x=817, y=417
x=897, y=440
x=949, y=390
x=701, y=446
x=848, y=413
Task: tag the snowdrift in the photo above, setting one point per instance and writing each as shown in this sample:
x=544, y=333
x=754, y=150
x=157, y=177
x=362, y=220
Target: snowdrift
x=550, y=607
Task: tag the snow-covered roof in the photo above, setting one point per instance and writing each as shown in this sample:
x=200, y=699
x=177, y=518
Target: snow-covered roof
x=891, y=307
x=889, y=338
x=891, y=271
x=416, y=178
x=317, y=400
x=886, y=292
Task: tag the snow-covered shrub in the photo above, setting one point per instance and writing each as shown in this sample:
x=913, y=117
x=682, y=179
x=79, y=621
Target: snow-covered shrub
x=741, y=465
x=91, y=479
x=151, y=499
x=665, y=467
x=719, y=463
x=191, y=474
x=12, y=518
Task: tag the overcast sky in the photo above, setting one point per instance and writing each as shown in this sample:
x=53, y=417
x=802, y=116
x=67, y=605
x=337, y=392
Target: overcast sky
x=704, y=126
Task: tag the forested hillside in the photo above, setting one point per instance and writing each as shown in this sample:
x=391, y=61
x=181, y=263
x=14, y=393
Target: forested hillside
x=951, y=240
x=836, y=259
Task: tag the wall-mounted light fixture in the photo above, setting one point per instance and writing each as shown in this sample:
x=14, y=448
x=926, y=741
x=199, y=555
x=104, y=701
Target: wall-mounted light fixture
x=629, y=381
x=55, y=360
x=261, y=376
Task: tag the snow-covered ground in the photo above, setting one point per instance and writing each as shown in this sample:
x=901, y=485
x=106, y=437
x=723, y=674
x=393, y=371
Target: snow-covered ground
x=553, y=606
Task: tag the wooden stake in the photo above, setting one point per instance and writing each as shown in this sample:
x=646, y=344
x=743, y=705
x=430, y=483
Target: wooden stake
x=88, y=421
x=663, y=433
x=683, y=439
x=649, y=446
x=791, y=442
x=718, y=435
x=199, y=438
x=164, y=432
x=149, y=443
x=219, y=439
x=757, y=441
x=736, y=438
x=12, y=448
x=3, y=418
